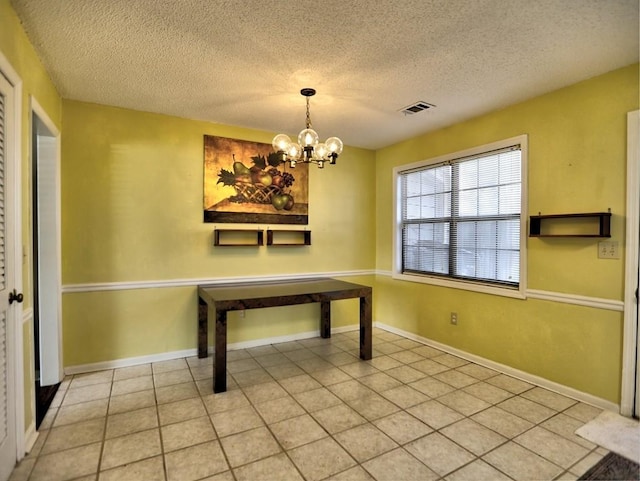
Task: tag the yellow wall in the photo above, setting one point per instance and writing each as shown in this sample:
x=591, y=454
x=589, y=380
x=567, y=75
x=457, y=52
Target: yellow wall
x=17, y=49
x=577, y=163
x=132, y=197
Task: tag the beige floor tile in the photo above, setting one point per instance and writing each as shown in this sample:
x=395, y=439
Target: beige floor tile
x=477, y=471
x=284, y=371
x=169, y=378
x=171, y=365
x=350, y=390
x=439, y=453
x=338, y=418
x=341, y=358
x=529, y=410
x=502, y=422
x=225, y=401
x=313, y=364
x=50, y=417
x=463, y=402
x=264, y=392
x=358, y=369
x=80, y=412
x=130, y=448
x=91, y=378
x=586, y=463
x=262, y=350
x=551, y=446
x=36, y=449
x=455, y=378
x=287, y=346
x=398, y=465
x=132, y=371
x=566, y=426
x=272, y=359
x=508, y=383
x=201, y=372
x=274, y=468
x=479, y=372
x=384, y=363
x=402, y=427
x=68, y=464
x=331, y=375
x=253, y=377
x=196, y=361
x=249, y=446
x=236, y=420
x=151, y=469
x=373, y=406
x=405, y=374
x=365, y=442
x=86, y=393
x=132, y=401
x=74, y=435
x=380, y=382
x=132, y=422
x=176, y=392
x=242, y=365
x=181, y=410
x=357, y=473
x=520, y=463
x=583, y=412
x=299, y=354
x=295, y=432
x=427, y=351
x=404, y=396
x=225, y=476
x=407, y=343
x=187, y=433
x=134, y=384
x=321, y=459
x=450, y=360
x=317, y=399
x=435, y=414
x=429, y=367
x=552, y=400
x=195, y=462
x=298, y=384
x=473, y=436
x=279, y=409
x=237, y=354
x=406, y=357
x=487, y=392
x=432, y=387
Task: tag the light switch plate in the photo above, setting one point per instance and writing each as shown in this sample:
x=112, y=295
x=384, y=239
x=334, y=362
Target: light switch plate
x=608, y=250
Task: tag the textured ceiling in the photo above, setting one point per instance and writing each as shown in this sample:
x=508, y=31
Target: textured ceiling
x=243, y=62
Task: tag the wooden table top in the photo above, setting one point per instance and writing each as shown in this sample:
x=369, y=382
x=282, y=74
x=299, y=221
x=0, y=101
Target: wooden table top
x=256, y=291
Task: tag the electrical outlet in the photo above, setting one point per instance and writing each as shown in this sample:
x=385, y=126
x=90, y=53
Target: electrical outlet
x=454, y=318
x=241, y=313
x=608, y=250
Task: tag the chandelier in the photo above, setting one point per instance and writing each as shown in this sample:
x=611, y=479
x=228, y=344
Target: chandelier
x=308, y=149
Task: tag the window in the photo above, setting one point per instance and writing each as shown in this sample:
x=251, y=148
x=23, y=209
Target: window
x=460, y=217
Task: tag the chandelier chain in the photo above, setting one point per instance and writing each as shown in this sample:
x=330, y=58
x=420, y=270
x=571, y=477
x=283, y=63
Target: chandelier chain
x=308, y=115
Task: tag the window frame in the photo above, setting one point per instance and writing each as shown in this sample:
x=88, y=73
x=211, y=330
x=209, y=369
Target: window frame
x=444, y=281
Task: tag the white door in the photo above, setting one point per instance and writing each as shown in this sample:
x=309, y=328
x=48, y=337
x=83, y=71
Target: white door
x=8, y=451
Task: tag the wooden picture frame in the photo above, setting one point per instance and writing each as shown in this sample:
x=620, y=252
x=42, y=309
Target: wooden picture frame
x=245, y=182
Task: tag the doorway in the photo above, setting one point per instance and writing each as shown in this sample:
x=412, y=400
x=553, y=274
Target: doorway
x=47, y=314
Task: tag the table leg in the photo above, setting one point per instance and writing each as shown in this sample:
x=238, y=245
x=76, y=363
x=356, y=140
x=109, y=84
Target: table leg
x=366, y=349
x=220, y=364
x=203, y=327
x=325, y=319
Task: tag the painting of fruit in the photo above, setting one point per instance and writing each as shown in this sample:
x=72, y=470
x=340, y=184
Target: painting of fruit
x=248, y=182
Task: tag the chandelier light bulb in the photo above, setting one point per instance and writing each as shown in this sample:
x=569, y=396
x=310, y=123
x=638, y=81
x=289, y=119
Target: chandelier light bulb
x=309, y=148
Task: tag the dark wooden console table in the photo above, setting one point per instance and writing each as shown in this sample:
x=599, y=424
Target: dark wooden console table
x=237, y=297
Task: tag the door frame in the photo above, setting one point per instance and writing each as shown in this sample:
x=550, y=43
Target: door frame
x=630, y=327
x=15, y=315
x=52, y=330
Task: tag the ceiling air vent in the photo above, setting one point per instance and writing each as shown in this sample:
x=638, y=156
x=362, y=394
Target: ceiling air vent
x=416, y=107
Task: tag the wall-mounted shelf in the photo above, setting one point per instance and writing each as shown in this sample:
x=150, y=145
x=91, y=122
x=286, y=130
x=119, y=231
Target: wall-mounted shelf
x=238, y=237
x=593, y=224
x=288, y=237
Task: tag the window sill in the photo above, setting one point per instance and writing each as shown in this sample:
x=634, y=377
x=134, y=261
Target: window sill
x=467, y=286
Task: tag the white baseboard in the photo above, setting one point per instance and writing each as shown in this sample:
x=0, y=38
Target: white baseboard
x=30, y=437
x=167, y=356
x=510, y=371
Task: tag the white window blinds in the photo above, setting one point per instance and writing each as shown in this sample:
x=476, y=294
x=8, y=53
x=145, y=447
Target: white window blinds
x=461, y=219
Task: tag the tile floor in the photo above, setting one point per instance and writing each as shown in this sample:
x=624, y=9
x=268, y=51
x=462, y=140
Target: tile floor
x=311, y=410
